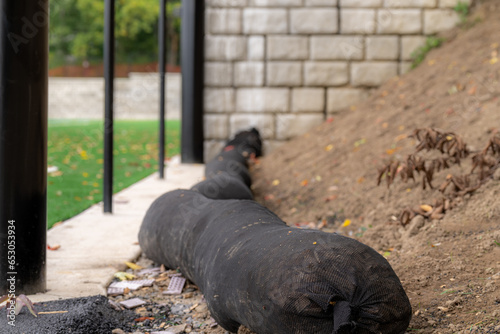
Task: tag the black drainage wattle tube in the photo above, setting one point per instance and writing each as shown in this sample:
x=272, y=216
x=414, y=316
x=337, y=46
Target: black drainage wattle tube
x=256, y=271
x=23, y=145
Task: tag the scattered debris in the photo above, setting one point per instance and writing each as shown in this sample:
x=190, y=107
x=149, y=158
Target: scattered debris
x=176, y=285
x=132, y=303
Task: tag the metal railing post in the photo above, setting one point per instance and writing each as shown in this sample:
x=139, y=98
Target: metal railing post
x=109, y=64
x=161, y=69
x=192, y=62
x=23, y=145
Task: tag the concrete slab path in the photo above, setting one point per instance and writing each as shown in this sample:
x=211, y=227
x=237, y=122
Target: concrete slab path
x=95, y=245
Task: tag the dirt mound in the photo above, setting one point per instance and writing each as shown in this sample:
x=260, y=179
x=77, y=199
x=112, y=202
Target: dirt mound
x=449, y=263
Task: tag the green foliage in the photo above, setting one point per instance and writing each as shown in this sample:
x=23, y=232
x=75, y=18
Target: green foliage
x=462, y=8
x=77, y=30
x=76, y=149
x=419, y=55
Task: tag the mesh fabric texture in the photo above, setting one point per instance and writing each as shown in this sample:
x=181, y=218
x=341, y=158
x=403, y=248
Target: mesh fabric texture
x=256, y=271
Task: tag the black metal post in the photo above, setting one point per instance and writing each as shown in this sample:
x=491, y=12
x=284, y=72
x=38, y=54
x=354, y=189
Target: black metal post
x=23, y=145
x=192, y=62
x=161, y=69
x=109, y=73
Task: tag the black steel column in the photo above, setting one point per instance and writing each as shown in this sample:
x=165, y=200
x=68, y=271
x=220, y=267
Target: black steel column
x=192, y=62
x=23, y=145
x=161, y=69
x=109, y=73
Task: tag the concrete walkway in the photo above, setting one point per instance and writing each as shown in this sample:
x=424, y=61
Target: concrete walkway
x=95, y=245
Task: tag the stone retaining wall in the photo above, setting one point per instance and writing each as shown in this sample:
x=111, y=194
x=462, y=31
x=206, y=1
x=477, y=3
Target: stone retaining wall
x=136, y=97
x=285, y=65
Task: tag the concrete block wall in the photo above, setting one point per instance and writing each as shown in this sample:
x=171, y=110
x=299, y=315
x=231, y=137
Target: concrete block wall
x=136, y=97
x=286, y=65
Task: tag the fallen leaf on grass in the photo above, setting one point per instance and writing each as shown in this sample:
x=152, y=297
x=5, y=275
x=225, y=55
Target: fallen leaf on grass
x=53, y=248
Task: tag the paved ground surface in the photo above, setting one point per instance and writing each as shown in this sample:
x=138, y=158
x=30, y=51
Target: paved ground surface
x=95, y=245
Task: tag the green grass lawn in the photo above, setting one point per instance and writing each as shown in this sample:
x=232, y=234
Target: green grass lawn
x=76, y=149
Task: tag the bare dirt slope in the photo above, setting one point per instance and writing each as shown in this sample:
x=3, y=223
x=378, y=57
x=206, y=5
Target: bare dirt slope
x=449, y=263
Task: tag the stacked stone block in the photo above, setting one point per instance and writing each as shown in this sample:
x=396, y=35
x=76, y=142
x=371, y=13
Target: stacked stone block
x=285, y=65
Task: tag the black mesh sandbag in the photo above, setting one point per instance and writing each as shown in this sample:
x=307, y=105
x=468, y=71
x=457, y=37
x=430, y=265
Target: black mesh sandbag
x=255, y=270
x=233, y=159
x=223, y=186
x=246, y=143
x=230, y=167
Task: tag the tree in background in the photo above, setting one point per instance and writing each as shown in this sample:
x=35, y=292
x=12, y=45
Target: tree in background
x=77, y=26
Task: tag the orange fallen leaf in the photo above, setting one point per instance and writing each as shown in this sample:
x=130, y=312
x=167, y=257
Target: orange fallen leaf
x=361, y=180
x=401, y=137
x=304, y=183
x=392, y=150
x=53, y=248
x=472, y=91
x=141, y=319
x=426, y=208
x=276, y=182
x=329, y=147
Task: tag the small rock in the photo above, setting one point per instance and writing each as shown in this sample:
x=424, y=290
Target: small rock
x=176, y=329
x=415, y=225
x=188, y=295
x=201, y=308
x=496, y=175
x=118, y=331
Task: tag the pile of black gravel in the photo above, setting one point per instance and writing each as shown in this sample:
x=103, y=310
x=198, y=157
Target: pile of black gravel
x=84, y=315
